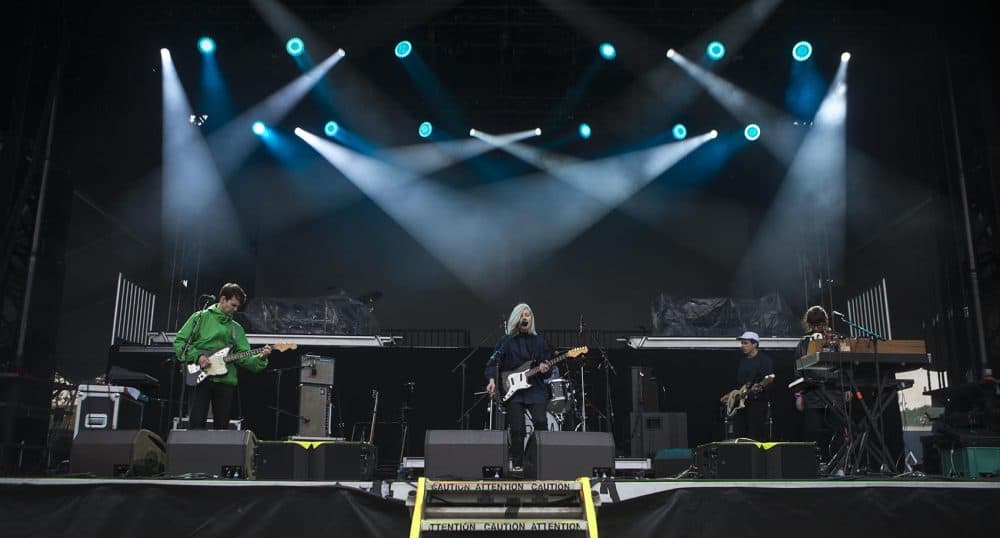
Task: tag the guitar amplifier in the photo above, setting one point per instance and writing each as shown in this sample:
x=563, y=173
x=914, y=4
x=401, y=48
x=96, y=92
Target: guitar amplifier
x=316, y=370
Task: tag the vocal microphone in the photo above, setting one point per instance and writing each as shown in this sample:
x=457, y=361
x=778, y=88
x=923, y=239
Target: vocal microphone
x=838, y=314
x=524, y=323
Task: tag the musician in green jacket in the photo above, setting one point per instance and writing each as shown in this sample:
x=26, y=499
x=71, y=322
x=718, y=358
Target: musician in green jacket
x=204, y=333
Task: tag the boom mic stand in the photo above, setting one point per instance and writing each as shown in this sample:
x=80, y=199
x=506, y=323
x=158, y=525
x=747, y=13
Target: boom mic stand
x=873, y=413
x=183, y=353
x=277, y=395
x=463, y=417
x=609, y=370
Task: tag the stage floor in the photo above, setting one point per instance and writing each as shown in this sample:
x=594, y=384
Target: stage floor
x=629, y=508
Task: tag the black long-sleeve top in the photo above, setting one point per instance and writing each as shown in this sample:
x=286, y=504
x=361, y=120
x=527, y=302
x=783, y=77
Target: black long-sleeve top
x=515, y=351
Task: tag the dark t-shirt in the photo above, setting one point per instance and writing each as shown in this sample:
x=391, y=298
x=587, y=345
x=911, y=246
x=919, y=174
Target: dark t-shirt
x=753, y=370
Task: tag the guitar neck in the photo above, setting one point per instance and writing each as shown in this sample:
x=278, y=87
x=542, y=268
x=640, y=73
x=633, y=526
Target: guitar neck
x=242, y=355
x=553, y=361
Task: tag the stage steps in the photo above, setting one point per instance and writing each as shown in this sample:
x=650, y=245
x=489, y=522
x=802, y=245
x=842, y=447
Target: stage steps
x=511, y=506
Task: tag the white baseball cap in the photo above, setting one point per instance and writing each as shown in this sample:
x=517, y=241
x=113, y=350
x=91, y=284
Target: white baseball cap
x=750, y=335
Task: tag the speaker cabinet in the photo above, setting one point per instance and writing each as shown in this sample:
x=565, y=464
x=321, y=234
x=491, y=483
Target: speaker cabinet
x=222, y=453
x=791, y=460
x=652, y=432
x=316, y=410
x=341, y=460
x=730, y=460
x=569, y=455
x=463, y=454
x=282, y=460
x=117, y=453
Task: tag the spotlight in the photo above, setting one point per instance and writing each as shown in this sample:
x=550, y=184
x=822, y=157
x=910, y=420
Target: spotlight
x=331, y=128
x=679, y=131
x=295, y=46
x=670, y=53
x=259, y=128
x=425, y=129
x=802, y=51
x=206, y=45
x=403, y=49
x=845, y=56
x=607, y=51
x=538, y=131
x=713, y=134
x=715, y=50
x=752, y=132
x=584, y=131
x=472, y=132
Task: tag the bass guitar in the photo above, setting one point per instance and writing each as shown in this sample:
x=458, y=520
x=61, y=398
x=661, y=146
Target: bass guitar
x=519, y=378
x=738, y=398
x=217, y=362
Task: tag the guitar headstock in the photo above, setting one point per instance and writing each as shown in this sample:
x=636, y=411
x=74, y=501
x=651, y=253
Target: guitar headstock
x=576, y=352
x=284, y=346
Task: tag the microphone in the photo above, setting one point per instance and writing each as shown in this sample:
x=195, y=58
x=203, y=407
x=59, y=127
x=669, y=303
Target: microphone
x=524, y=323
x=838, y=314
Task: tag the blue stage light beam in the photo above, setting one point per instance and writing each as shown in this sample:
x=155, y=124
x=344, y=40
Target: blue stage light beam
x=232, y=143
x=679, y=131
x=751, y=132
x=331, y=128
x=425, y=129
x=802, y=51
x=403, y=49
x=206, y=45
x=193, y=190
x=783, y=138
x=585, y=131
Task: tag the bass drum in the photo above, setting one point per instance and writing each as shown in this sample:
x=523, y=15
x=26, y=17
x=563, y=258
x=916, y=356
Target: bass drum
x=554, y=425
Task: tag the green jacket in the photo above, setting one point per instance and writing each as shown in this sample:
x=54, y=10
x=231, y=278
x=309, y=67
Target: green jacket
x=216, y=331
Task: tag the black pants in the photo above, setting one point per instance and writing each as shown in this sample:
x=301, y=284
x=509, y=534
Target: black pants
x=752, y=421
x=515, y=418
x=220, y=396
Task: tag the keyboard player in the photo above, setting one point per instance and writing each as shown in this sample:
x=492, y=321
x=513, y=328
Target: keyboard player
x=820, y=424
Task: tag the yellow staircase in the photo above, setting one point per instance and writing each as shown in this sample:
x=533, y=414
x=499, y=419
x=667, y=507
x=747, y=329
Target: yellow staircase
x=503, y=506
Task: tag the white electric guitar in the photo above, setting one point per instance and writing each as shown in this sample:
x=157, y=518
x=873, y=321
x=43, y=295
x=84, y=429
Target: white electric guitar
x=520, y=378
x=217, y=362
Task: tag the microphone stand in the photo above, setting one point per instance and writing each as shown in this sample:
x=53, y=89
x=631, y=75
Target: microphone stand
x=609, y=370
x=462, y=364
x=277, y=395
x=875, y=421
x=184, y=350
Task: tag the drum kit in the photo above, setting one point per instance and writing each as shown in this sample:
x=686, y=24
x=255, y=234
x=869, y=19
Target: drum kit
x=563, y=408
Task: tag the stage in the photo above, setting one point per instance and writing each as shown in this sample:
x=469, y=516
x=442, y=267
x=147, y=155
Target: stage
x=629, y=507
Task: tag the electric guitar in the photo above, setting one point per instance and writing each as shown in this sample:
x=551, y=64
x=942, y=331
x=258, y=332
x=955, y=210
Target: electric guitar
x=738, y=397
x=518, y=379
x=217, y=362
